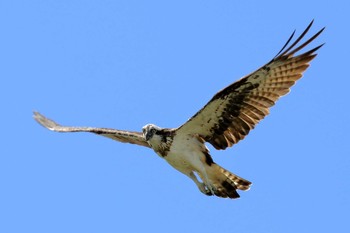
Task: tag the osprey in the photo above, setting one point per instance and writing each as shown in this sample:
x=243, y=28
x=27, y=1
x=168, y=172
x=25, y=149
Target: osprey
x=225, y=120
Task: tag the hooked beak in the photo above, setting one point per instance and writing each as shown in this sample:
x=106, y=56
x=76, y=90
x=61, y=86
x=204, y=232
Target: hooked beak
x=147, y=135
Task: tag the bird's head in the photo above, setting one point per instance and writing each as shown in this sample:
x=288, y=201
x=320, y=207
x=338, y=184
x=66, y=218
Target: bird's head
x=149, y=131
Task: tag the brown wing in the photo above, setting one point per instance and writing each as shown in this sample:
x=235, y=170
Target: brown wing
x=118, y=135
x=234, y=111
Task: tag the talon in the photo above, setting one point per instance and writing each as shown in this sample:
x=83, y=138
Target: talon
x=203, y=188
x=211, y=189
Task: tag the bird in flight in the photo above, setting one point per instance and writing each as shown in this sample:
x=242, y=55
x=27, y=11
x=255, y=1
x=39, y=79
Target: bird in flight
x=225, y=120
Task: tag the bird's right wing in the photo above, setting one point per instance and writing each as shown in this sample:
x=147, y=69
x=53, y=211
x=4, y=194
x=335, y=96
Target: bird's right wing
x=118, y=135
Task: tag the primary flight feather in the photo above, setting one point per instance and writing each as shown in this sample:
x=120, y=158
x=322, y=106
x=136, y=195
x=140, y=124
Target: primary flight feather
x=226, y=119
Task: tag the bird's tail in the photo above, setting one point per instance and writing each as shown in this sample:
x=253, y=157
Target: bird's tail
x=226, y=183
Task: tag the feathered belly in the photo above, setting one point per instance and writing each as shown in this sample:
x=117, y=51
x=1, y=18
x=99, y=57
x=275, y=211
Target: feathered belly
x=185, y=158
x=180, y=162
x=186, y=153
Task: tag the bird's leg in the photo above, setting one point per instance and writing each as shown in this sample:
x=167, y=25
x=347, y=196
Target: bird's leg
x=204, y=176
x=201, y=186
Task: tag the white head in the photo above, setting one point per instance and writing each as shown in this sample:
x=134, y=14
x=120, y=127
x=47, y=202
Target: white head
x=149, y=131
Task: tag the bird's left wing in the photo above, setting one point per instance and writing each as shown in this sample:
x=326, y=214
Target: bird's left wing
x=118, y=135
x=229, y=116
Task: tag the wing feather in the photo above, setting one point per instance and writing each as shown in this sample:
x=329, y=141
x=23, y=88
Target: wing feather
x=118, y=135
x=229, y=116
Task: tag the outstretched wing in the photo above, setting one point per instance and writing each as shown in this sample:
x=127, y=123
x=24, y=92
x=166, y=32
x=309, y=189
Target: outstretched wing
x=229, y=116
x=118, y=135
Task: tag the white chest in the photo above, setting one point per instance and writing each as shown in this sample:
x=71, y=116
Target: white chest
x=186, y=154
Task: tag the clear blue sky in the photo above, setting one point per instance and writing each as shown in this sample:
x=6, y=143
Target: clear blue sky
x=123, y=64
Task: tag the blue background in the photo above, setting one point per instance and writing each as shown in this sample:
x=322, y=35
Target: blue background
x=123, y=64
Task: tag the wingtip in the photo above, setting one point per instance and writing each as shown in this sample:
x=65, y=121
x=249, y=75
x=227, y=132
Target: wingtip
x=43, y=121
x=312, y=22
x=36, y=114
x=290, y=51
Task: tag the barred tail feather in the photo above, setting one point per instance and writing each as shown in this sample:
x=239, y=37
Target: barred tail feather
x=226, y=183
x=239, y=182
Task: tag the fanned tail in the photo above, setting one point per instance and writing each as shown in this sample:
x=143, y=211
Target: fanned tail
x=225, y=183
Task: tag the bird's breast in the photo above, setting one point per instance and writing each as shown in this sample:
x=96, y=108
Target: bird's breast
x=185, y=154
